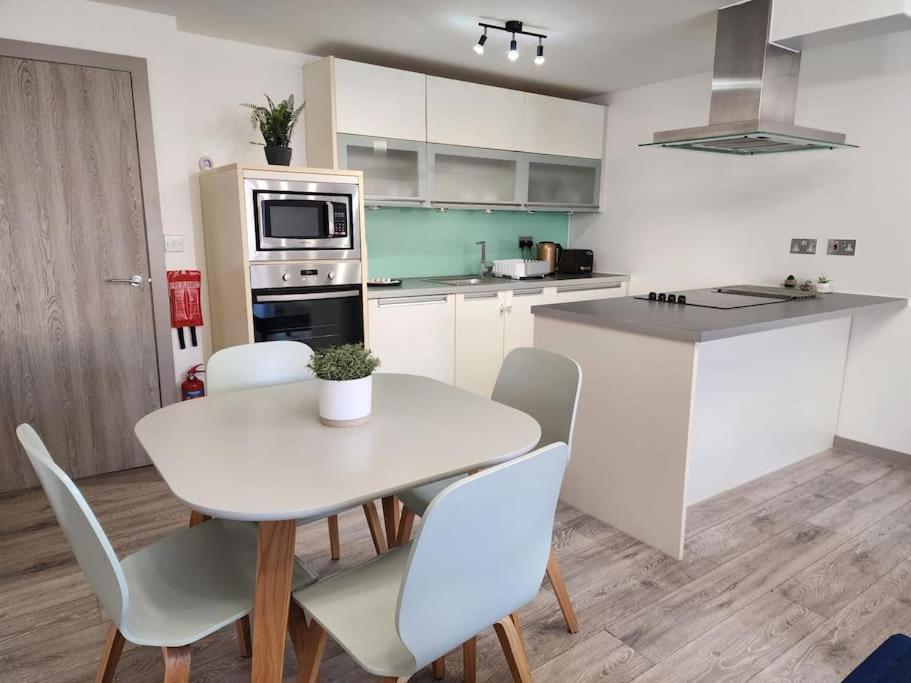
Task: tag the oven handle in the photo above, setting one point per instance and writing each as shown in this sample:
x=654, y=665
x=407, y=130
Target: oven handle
x=268, y=298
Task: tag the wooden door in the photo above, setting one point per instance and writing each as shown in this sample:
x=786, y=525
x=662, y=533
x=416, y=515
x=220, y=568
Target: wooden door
x=77, y=354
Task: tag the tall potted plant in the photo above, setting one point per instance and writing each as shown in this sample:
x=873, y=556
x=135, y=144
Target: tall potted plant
x=345, y=375
x=276, y=123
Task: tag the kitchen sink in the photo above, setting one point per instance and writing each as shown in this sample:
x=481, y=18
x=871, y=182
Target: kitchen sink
x=460, y=280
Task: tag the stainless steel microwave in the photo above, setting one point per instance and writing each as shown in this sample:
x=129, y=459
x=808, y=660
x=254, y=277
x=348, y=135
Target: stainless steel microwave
x=302, y=220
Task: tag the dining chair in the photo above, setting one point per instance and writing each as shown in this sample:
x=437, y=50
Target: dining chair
x=546, y=386
x=407, y=608
x=169, y=594
x=249, y=366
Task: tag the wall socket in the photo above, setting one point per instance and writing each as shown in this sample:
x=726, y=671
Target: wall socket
x=526, y=241
x=842, y=247
x=803, y=245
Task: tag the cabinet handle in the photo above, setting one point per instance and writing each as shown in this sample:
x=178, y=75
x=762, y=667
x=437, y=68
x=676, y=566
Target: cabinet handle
x=484, y=295
x=412, y=300
x=590, y=288
x=527, y=292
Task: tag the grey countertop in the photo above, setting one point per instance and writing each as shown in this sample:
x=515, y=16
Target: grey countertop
x=416, y=286
x=697, y=324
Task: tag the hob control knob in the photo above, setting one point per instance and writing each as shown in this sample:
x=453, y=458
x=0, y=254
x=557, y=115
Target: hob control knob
x=681, y=299
x=672, y=298
x=653, y=296
x=331, y=275
x=286, y=276
x=662, y=296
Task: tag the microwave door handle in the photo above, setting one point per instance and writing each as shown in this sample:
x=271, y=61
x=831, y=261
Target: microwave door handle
x=330, y=219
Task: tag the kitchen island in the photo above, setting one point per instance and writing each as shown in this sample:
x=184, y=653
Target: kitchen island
x=682, y=402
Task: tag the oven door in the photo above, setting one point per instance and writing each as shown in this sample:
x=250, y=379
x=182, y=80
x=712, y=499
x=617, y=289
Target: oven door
x=317, y=316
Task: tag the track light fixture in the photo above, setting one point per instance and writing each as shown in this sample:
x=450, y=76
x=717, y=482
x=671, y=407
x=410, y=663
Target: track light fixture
x=514, y=28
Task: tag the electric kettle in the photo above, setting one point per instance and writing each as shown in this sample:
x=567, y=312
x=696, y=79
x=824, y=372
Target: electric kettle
x=550, y=252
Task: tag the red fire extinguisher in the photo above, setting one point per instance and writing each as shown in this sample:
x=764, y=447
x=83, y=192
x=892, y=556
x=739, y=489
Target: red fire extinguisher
x=192, y=386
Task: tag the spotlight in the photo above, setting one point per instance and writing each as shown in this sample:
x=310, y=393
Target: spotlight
x=479, y=48
x=539, y=59
x=513, y=53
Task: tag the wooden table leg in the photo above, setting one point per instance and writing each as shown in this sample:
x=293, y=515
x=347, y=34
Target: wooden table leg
x=274, y=565
x=391, y=518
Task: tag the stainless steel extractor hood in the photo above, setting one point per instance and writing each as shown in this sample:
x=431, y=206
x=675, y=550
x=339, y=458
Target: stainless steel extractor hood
x=754, y=93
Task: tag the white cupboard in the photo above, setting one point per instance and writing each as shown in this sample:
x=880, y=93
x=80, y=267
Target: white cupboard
x=518, y=321
x=414, y=335
x=379, y=101
x=474, y=115
x=478, y=341
x=562, y=127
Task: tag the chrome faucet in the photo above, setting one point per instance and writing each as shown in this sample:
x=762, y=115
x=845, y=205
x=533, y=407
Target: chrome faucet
x=486, y=268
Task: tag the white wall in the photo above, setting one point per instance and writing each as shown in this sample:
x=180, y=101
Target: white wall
x=677, y=219
x=196, y=86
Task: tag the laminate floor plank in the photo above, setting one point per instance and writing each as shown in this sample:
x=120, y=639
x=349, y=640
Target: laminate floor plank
x=864, y=470
x=867, y=506
x=598, y=659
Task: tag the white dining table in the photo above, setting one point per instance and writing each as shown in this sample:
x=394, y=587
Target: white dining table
x=262, y=455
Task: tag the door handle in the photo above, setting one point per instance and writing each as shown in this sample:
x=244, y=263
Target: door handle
x=133, y=280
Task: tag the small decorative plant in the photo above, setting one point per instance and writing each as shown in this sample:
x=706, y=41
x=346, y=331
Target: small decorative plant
x=345, y=375
x=790, y=281
x=276, y=123
x=823, y=284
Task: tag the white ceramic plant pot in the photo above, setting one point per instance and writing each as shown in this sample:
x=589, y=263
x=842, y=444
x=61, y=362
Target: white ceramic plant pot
x=346, y=403
x=823, y=287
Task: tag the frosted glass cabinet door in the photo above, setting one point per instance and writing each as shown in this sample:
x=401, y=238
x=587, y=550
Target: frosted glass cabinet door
x=563, y=181
x=469, y=175
x=395, y=171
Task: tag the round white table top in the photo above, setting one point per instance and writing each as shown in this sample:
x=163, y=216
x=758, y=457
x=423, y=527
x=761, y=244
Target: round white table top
x=263, y=455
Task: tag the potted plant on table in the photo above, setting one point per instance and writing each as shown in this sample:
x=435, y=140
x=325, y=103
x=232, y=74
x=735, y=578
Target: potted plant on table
x=823, y=285
x=345, y=375
x=276, y=123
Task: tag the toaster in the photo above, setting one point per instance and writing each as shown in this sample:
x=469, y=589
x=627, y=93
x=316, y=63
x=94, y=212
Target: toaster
x=576, y=261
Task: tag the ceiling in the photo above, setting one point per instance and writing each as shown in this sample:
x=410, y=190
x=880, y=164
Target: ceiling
x=593, y=46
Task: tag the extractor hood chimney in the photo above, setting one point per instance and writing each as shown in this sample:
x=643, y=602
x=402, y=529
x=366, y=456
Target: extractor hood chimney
x=754, y=93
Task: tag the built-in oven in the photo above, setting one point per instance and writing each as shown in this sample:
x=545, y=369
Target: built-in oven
x=302, y=219
x=319, y=304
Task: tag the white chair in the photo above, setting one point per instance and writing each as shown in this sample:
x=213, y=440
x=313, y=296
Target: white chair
x=250, y=366
x=407, y=608
x=169, y=594
x=546, y=386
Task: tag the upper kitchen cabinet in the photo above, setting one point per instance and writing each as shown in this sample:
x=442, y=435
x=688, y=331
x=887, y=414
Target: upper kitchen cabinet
x=473, y=115
x=395, y=171
x=562, y=127
x=475, y=176
x=563, y=182
x=376, y=100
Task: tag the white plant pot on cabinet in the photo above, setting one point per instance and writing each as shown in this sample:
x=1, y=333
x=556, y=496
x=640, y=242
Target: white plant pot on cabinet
x=345, y=403
x=824, y=287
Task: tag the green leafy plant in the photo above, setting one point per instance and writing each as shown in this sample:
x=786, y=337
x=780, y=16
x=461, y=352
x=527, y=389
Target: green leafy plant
x=823, y=279
x=345, y=362
x=276, y=121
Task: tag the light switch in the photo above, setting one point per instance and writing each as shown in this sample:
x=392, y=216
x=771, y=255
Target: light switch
x=173, y=242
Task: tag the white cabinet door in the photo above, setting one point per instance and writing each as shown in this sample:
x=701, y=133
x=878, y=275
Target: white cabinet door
x=562, y=127
x=568, y=293
x=414, y=335
x=519, y=323
x=460, y=113
x=478, y=341
x=376, y=100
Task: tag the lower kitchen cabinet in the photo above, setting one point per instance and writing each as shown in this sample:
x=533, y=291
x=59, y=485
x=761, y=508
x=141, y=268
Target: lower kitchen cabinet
x=518, y=321
x=478, y=340
x=414, y=335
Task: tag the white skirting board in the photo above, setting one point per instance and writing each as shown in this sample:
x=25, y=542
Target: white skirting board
x=663, y=423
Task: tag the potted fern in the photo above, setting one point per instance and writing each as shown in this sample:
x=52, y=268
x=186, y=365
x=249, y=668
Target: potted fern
x=276, y=123
x=345, y=376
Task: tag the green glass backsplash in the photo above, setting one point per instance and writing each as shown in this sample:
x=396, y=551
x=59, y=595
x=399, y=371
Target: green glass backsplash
x=425, y=242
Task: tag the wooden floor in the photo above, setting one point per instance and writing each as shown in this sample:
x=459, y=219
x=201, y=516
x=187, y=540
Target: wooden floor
x=793, y=577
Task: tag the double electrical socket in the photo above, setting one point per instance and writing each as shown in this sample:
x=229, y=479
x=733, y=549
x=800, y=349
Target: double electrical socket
x=807, y=245
x=526, y=241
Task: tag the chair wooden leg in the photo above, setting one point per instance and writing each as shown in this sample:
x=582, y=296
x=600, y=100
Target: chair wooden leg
x=335, y=546
x=470, y=660
x=314, y=644
x=565, y=602
x=113, y=648
x=391, y=518
x=244, y=640
x=406, y=524
x=514, y=649
x=197, y=518
x=438, y=669
x=176, y=664
x=376, y=530
x=297, y=630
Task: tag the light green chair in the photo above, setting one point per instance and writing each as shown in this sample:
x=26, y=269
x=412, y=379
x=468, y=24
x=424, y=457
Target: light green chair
x=478, y=557
x=546, y=386
x=169, y=594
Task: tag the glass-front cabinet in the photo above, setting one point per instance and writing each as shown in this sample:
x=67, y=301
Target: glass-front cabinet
x=475, y=176
x=563, y=182
x=395, y=171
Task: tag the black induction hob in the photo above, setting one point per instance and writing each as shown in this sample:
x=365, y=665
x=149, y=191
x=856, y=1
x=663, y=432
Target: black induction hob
x=735, y=296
